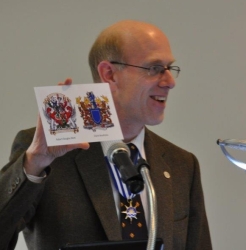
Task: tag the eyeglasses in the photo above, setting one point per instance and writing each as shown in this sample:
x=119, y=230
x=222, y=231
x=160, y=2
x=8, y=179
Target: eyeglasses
x=155, y=69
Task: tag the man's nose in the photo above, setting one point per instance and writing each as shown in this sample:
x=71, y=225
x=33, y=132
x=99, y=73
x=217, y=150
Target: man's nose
x=167, y=80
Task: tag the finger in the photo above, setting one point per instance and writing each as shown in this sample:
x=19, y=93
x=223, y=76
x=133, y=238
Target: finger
x=68, y=81
x=84, y=145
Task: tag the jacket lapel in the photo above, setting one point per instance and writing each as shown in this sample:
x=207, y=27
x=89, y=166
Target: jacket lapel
x=155, y=154
x=94, y=172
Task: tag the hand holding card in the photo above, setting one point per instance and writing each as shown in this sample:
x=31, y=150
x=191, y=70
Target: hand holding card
x=39, y=155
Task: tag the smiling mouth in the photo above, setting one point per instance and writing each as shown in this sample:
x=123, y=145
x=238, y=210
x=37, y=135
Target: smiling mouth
x=159, y=98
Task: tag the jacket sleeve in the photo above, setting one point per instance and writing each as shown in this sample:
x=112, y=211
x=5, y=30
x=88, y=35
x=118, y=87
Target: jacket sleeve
x=18, y=196
x=198, y=237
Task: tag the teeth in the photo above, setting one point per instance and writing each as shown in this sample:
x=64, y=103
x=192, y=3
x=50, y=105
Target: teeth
x=159, y=98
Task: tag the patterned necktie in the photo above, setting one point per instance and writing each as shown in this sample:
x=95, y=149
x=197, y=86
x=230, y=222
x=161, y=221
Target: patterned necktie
x=132, y=214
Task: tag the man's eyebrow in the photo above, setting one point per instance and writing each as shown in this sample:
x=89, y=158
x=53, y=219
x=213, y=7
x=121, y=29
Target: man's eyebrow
x=159, y=62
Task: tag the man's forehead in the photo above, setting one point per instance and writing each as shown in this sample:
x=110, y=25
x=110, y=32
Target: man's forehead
x=151, y=49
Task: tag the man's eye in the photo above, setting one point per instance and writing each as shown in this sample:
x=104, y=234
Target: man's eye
x=155, y=68
x=158, y=69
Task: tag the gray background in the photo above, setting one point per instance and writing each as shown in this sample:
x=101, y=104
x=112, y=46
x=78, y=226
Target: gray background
x=43, y=42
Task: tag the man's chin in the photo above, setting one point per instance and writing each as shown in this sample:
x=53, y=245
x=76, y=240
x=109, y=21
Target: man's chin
x=155, y=121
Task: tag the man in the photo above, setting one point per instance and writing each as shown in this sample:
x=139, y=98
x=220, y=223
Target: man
x=64, y=194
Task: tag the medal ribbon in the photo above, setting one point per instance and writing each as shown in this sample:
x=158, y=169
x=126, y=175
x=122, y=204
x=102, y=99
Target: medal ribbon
x=116, y=176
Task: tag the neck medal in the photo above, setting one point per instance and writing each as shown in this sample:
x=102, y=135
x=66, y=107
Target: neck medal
x=131, y=211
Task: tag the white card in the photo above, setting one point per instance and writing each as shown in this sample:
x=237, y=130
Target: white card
x=78, y=113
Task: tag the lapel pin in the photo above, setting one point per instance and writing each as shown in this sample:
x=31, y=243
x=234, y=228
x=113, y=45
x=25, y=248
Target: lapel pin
x=166, y=174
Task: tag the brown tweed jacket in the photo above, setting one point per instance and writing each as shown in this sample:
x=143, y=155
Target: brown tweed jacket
x=75, y=203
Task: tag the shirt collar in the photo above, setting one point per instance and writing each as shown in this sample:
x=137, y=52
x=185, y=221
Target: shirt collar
x=137, y=141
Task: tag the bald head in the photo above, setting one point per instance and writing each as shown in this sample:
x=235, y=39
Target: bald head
x=115, y=41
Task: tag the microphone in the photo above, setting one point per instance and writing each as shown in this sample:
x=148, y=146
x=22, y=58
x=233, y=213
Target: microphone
x=119, y=154
x=232, y=143
x=235, y=144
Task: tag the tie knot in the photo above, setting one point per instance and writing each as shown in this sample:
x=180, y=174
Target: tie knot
x=134, y=152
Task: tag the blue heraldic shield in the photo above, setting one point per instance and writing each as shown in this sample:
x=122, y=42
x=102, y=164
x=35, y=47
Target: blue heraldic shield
x=96, y=115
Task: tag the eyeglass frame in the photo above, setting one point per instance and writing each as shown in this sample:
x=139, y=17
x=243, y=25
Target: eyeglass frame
x=169, y=68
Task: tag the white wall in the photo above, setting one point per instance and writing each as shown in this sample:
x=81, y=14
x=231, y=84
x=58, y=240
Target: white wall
x=43, y=42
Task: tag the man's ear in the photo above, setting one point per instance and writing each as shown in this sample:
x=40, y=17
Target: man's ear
x=106, y=72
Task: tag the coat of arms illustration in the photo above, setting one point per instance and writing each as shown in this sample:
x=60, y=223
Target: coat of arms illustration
x=60, y=114
x=95, y=111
